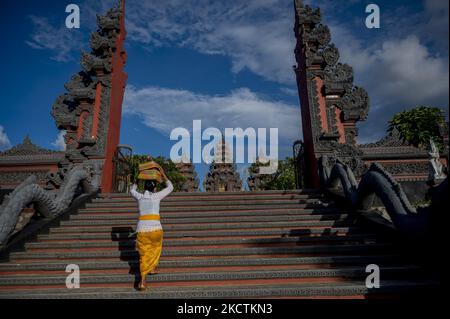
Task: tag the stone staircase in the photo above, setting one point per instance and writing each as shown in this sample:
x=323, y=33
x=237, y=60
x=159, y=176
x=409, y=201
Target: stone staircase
x=216, y=245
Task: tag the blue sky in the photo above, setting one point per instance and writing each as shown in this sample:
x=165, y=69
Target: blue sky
x=228, y=63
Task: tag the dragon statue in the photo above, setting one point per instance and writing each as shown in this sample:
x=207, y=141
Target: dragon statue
x=46, y=203
x=377, y=182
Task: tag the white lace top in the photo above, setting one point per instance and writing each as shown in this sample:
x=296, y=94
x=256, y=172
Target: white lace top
x=149, y=204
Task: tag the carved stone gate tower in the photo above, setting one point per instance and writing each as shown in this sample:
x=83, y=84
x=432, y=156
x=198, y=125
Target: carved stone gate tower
x=330, y=104
x=90, y=111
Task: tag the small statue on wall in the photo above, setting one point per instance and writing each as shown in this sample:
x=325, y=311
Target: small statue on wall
x=435, y=168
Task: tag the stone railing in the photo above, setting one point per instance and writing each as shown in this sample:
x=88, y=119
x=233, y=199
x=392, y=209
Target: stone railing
x=377, y=182
x=81, y=179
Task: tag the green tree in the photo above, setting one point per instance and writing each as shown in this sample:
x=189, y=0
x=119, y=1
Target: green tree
x=282, y=179
x=172, y=172
x=418, y=125
x=169, y=167
x=136, y=159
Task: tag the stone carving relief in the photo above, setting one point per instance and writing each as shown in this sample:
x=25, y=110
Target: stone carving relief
x=355, y=105
x=338, y=79
x=331, y=55
x=20, y=176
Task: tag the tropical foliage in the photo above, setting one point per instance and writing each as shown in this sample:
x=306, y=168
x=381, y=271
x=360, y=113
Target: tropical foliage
x=283, y=178
x=418, y=125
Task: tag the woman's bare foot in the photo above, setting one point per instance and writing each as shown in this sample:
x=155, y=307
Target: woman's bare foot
x=142, y=285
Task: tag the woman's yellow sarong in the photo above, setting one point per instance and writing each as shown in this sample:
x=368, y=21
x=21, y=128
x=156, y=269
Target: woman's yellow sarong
x=149, y=246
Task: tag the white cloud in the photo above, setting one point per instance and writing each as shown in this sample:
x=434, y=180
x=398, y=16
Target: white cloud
x=165, y=109
x=412, y=75
x=257, y=35
x=289, y=91
x=4, y=140
x=61, y=41
x=398, y=72
x=59, y=143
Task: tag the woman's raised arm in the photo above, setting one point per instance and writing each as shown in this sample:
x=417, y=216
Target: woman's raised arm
x=135, y=193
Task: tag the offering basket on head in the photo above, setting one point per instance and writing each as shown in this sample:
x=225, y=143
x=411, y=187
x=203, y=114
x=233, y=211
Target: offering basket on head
x=150, y=171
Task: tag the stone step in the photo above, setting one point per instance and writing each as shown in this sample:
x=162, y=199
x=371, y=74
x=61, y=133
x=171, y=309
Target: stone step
x=202, y=246
x=134, y=269
x=203, y=278
x=313, y=192
x=347, y=289
x=218, y=241
x=209, y=220
x=296, y=208
x=207, y=227
x=215, y=199
x=207, y=208
x=389, y=272
x=212, y=262
x=218, y=252
x=212, y=204
x=133, y=214
x=123, y=233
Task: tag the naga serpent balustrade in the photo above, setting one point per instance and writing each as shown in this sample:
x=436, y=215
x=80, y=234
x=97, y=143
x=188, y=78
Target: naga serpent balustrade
x=377, y=182
x=47, y=203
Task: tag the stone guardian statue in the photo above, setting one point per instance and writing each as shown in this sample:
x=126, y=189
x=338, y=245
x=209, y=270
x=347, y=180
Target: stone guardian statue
x=435, y=167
